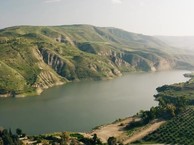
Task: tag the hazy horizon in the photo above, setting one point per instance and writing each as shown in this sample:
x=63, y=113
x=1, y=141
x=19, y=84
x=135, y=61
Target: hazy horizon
x=149, y=17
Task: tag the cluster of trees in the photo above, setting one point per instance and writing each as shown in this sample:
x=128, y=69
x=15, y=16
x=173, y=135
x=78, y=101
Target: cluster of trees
x=63, y=139
x=173, y=106
x=8, y=138
x=169, y=87
x=96, y=141
x=91, y=141
x=67, y=139
x=166, y=109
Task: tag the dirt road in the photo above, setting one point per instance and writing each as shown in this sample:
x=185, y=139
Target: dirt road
x=117, y=130
x=114, y=129
x=144, y=132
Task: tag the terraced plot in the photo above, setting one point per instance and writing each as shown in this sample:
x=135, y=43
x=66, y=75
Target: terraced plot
x=179, y=130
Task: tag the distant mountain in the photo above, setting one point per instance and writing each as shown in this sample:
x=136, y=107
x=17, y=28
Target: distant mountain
x=33, y=58
x=184, y=42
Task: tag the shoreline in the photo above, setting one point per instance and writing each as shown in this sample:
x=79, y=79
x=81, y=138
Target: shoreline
x=40, y=90
x=114, y=129
x=117, y=129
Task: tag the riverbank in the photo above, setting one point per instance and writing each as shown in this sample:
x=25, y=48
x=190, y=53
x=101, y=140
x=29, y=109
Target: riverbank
x=115, y=129
x=39, y=90
x=102, y=134
x=121, y=129
x=92, y=104
x=118, y=130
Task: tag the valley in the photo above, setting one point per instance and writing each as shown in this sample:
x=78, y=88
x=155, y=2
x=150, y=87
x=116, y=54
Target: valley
x=34, y=58
x=96, y=72
x=80, y=106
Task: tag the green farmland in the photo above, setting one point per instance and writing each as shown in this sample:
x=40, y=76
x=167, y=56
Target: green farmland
x=179, y=130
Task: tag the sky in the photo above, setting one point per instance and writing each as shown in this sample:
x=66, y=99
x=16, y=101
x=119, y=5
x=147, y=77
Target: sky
x=150, y=17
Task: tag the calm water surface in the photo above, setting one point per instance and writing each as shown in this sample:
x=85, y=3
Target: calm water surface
x=81, y=106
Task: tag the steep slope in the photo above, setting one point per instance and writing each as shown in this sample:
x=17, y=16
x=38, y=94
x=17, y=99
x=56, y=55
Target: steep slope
x=33, y=58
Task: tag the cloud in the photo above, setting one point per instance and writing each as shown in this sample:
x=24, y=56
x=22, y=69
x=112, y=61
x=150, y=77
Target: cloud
x=51, y=1
x=116, y=1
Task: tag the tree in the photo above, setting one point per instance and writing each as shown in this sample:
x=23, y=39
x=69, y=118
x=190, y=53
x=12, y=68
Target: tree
x=7, y=140
x=96, y=140
x=162, y=103
x=153, y=113
x=171, y=109
x=112, y=141
x=19, y=131
x=10, y=132
x=181, y=102
x=146, y=117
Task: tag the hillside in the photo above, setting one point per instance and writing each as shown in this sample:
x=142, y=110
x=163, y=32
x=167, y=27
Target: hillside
x=184, y=42
x=178, y=129
x=33, y=58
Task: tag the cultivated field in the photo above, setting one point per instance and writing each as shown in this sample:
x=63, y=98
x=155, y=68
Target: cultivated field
x=179, y=130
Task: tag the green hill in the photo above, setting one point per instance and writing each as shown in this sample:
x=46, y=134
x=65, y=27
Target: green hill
x=33, y=58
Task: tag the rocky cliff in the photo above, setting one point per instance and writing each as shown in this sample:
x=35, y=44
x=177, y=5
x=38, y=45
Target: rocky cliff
x=35, y=58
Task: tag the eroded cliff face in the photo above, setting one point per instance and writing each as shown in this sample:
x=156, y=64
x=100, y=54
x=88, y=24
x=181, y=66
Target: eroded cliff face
x=46, y=80
x=131, y=61
x=164, y=64
x=42, y=57
x=47, y=77
x=56, y=70
x=62, y=67
x=75, y=70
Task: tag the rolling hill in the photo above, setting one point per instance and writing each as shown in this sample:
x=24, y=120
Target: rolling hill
x=33, y=58
x=184, y=42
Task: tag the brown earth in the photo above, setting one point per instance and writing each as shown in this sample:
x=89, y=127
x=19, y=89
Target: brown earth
x=117, y=130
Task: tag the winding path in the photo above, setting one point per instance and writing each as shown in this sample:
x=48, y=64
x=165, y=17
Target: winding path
x=144, y=132
x=114, y=129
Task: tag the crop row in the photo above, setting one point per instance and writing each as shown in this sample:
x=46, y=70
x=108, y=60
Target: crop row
x=179, y=130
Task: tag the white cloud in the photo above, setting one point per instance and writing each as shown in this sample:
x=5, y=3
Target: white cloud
x=51, y=1
x=116, y=1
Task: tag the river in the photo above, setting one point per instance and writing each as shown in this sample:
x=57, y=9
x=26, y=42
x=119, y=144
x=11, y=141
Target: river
x=80, y=106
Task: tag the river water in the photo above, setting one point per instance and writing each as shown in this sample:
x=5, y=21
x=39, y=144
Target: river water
x=80, y=106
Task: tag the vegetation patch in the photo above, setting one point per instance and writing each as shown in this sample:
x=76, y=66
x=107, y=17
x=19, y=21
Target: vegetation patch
x=40, y=56
x=179, y=130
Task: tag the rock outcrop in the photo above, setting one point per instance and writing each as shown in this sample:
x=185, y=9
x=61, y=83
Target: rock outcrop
x=35, y=58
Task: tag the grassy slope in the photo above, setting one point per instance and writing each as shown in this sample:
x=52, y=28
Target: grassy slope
x=44, y=56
